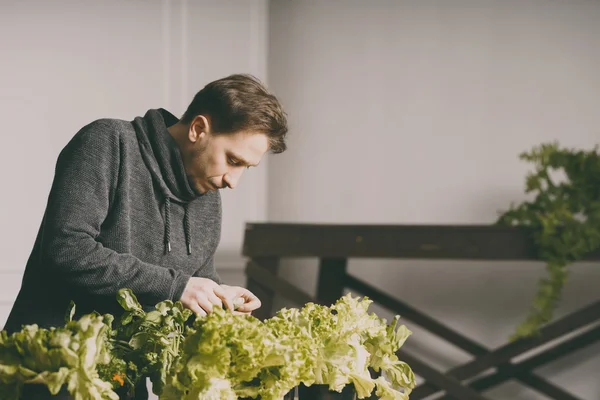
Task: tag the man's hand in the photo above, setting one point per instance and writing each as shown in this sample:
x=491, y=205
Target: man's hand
x=251, y=302
x=201, y=295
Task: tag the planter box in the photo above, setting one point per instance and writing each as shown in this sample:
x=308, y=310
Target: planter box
x=41, y=392
x=322, y=392
x=314, y=392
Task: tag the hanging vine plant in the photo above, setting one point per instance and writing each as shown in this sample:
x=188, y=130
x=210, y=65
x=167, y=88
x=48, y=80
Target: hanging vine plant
x=564, y=218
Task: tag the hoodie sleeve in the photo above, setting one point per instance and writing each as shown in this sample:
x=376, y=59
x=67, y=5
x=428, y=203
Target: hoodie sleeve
x=85, y=182
x=209, y=271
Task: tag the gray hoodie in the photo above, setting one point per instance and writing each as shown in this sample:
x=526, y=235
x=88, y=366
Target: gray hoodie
x=120, y=214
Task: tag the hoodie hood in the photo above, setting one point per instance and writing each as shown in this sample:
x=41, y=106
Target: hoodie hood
x=163, y=158
x=162, y=155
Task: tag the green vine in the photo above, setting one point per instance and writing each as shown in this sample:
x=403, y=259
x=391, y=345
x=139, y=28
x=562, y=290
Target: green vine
x=564, y=217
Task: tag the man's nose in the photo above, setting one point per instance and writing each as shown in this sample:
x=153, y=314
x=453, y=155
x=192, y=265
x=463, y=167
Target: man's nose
x=232, y=178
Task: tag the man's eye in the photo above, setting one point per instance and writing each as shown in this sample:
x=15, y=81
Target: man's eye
x=234, y=162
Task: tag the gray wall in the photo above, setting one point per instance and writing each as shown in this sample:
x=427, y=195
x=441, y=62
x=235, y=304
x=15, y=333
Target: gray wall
x=415, y=112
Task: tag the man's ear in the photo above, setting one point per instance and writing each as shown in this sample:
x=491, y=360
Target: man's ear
x=199, y=128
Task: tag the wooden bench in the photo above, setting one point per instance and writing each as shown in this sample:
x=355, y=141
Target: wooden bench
x=265, y=244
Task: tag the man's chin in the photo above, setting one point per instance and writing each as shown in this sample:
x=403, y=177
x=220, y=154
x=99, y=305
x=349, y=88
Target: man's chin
x=201, y=190
x=205, y=188
x=198, y=189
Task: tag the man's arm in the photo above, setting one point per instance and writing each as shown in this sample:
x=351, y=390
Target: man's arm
x=85, y=183
x=209, y=271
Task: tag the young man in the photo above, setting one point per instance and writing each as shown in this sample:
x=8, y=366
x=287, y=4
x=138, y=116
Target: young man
x=136, y=204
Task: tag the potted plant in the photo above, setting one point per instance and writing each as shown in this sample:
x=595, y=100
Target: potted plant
x=315, y=352
x=563, y=216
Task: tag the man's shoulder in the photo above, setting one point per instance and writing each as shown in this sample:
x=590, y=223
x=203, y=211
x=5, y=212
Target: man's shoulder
x=104, y=134
x=107, y=136
x=108, y=128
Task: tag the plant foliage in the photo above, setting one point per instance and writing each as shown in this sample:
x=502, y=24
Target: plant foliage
x=563, y=216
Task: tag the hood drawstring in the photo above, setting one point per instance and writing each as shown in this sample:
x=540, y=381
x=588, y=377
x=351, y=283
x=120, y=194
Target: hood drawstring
x=188, y=233
x=167, y=225
x=186, y=227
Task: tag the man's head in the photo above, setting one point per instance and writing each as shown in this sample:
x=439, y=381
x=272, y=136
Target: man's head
x=228, y=127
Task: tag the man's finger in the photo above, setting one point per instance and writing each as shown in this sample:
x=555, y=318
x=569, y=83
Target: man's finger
x=215, y=300
x=251, y=305
x=201, y=312
x=197, y=310
x=205, y=304
x=222, y=294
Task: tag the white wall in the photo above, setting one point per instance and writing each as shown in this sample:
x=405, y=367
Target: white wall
x=415, y=112
x=68, y=62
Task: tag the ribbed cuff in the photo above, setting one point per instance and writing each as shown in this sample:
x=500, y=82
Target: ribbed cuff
x=179, y=284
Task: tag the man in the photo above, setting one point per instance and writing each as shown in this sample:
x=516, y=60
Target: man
x=136, y=204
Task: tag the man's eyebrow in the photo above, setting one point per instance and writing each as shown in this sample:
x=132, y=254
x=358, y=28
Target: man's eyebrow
x=242, y=160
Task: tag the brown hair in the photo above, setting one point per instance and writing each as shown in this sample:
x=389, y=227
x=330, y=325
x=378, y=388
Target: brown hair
x=240, y=102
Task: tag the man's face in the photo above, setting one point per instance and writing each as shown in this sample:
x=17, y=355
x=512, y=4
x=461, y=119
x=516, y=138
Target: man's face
x=216, y=161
